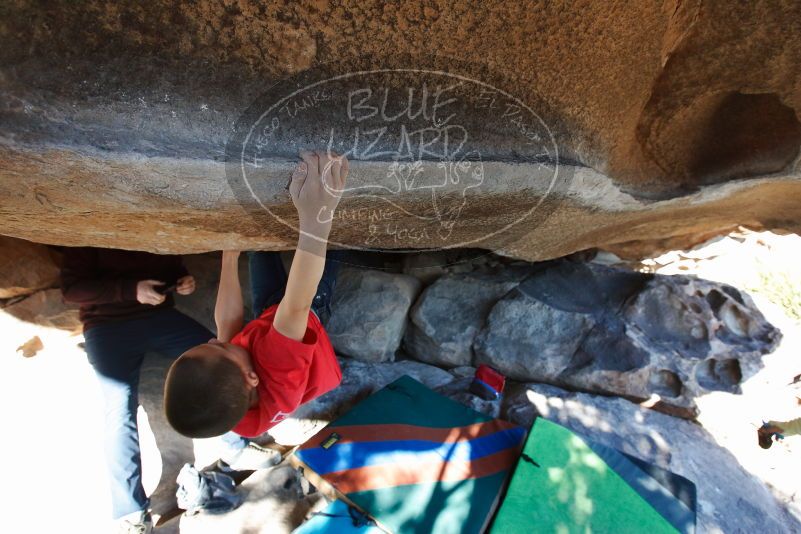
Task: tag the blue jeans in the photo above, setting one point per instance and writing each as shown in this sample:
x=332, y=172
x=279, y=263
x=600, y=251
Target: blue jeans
x=268, y=281
x=116, y=351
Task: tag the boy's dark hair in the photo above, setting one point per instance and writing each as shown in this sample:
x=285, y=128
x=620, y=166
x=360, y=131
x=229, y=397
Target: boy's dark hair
x=204, y=397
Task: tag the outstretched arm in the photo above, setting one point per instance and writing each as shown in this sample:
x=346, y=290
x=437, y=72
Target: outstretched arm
x=316, y=189
x=229, y=311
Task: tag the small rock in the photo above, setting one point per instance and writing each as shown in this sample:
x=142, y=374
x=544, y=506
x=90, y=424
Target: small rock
x=369, y=310
x=463, y=371
x=458, y=390
x=604, y=257
x=31, y=347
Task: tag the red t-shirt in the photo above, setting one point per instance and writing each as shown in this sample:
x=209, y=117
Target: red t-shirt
x=290, y=372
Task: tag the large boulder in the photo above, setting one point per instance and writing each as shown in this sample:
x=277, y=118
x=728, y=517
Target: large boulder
x=439, y=334
x=596, y=328
x=369, y=310
x=642, y=123
x=730, y=499
x=528, y=339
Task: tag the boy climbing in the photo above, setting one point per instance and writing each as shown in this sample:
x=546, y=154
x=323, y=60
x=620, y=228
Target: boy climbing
x=249, y=379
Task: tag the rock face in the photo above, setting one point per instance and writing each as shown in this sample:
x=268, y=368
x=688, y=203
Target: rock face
x=440, y=336
x=595, y=328
x=29, y=285
x=369, y=313
x=654, y=124
x=25, y=268
x=729, y=498
x=47, y=308
x=544, y=339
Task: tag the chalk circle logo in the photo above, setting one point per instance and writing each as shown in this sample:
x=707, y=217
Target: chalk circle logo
x=439, y=160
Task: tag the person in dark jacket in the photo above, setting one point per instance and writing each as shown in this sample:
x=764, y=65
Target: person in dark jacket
x=126, y=306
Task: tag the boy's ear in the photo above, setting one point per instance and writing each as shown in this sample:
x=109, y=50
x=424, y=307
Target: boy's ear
x=252, y=379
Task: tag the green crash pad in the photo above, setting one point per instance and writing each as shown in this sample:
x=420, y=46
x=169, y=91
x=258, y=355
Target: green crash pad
x=564, y=483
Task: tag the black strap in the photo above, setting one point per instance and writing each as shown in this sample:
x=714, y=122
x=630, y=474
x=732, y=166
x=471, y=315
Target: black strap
x=357, y=517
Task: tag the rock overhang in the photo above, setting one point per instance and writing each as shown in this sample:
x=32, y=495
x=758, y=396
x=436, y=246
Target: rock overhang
x=120, y=113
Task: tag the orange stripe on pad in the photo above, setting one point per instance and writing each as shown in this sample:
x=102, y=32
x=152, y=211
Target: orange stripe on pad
x=368, y=433
x=388, y=476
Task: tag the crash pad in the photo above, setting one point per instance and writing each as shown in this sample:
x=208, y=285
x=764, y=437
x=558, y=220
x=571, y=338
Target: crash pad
x=566, y=483
x=415, y=460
